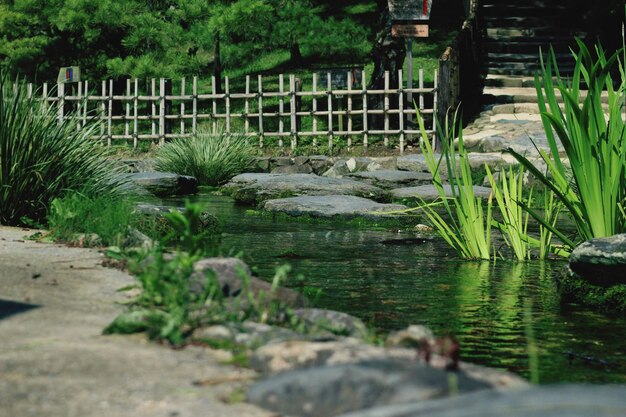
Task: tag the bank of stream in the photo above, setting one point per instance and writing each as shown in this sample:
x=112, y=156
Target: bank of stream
x=392, y=279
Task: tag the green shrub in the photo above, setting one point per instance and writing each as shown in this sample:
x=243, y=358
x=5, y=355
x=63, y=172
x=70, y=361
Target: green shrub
x=212, y=158
x=41, y=158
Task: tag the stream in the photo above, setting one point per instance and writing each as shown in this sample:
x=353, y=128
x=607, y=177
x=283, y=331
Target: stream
x=391, y=279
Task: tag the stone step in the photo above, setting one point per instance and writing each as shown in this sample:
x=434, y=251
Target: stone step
x=545, y=33
x=521, y=68
x=533, y=57
x=529, y=46
x=497, y=80
x=507, y=20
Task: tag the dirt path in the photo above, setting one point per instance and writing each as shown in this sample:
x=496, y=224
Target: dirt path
x=54, y=362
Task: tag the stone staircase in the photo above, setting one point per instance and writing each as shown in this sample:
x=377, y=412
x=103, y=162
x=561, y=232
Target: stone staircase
x=514, y=33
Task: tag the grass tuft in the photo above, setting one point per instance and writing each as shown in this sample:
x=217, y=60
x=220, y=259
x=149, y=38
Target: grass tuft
x=213, y=158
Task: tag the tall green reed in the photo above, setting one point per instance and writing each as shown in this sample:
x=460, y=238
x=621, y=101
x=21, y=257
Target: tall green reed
x=593, y=187
x=467, y=225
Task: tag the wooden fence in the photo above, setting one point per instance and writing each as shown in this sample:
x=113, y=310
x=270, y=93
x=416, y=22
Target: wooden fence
x=287, y=110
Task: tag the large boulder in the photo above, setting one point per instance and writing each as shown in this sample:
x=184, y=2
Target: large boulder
x=332, y=390
x=601, y=261
x=164, y=184
x=554, y=401
x=329, y=206
x=256, y=188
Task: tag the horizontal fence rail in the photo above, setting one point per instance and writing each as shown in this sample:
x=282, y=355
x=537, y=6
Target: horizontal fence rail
x=276, y=111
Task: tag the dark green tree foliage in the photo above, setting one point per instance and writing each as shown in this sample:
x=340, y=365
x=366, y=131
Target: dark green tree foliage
x=165, y=38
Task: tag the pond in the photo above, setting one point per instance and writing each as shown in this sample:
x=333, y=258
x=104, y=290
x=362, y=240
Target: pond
x=488, y=307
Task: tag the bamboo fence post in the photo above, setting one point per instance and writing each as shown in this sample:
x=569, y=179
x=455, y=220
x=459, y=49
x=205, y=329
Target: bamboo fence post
x=292, y=110
x=60, y=102
x=386, y=109
x=182, y=106
x=349, y=109
x=401, y=110
x=421, y=85
x=227, y=96
x=86, y=106
x=194, y=116
x=329, y=92
x=136, y=115
x=246, y=120
x=435, y=99
x=79, y=105
x=110, y=114
x=45, y=94
x=127, y=117
x=314, y=109
x=281, y=109
x=260, y=97
x=161, y=111
x=153, y=101
x=364, y=94
x=214, y=106
x=103, y=108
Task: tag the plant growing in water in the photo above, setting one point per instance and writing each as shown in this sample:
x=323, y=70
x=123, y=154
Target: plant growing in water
x=42, y=157
x=467, y=227
x=213, y=158
x=593, y=187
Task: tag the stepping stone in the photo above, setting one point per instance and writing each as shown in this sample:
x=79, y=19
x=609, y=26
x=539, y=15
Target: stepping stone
x=392, y=178
x=256, y=188
x=429, y=192
x=164, y=184
x=331, y=206
x=417, y=162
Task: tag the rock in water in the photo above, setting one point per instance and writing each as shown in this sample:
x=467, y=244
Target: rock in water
x=601, y=261
x=164, y=184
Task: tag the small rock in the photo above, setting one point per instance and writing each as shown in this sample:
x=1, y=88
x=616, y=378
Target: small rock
x=334, y=322
x=164, y=184
x=413, y=336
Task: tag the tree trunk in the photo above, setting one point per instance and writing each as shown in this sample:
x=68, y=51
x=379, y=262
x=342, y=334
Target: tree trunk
x=388, y=55
x=296, y=55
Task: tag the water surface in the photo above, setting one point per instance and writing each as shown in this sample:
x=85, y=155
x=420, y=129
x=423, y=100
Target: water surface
x=487, y=306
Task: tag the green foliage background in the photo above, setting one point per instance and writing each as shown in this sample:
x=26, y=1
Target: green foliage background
x=172, y=38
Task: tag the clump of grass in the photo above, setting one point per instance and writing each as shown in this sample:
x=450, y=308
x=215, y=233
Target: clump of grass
x=41, y=157
x=593, y=188
x=105, y=216
x=213, y=158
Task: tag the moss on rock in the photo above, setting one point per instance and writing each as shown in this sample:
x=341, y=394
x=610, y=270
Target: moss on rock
x=574, y=288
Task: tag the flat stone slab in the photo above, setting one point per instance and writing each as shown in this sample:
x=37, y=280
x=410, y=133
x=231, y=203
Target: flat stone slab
x=417, y=162
x=331, y=206
x=389, y=178
x=256, y=188
x=553, y=401
x=429, y=192
x=164, y=184
x=331, y=390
